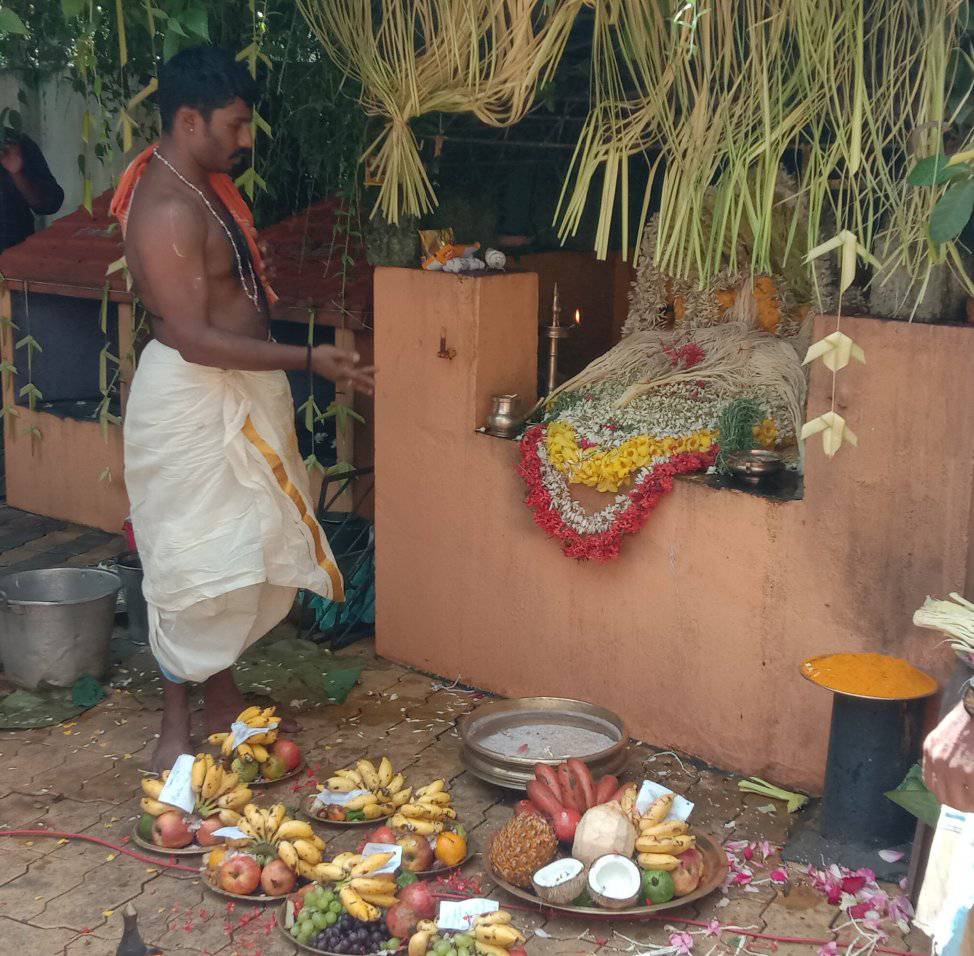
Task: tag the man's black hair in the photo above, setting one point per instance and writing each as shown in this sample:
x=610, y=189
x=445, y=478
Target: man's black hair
x=204, y=78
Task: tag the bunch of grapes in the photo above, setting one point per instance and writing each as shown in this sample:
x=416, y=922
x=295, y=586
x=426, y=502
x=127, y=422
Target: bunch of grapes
x=460, y=944
x=321, y=910
x=352, y=936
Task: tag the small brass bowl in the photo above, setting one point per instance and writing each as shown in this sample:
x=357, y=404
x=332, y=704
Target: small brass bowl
x=757, y=464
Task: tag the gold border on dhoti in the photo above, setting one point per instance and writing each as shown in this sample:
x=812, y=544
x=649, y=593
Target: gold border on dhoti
x=287, y=486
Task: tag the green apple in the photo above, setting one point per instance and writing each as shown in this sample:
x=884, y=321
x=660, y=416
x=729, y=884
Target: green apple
x=273, y=768
x=247, y=769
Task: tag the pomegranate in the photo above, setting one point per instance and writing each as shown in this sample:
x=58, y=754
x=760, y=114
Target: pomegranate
x=419, y=898
x=277, y=878
x=401, y=920
x=565, y=823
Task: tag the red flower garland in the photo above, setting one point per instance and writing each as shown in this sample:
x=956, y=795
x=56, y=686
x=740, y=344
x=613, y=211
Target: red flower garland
x=645, y=495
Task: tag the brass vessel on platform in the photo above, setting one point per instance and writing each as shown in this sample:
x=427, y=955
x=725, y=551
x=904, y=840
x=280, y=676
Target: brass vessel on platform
x=504, y=419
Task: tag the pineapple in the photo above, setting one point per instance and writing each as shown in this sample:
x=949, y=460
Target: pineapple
x=521, y=847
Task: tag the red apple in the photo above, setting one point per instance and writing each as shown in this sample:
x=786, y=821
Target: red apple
x=417, y=854
x=288, y=751
x=240, y=874
x=273, y=768
x=204, y=835
x=277, y=878
x=419, y=898
x=170, y=830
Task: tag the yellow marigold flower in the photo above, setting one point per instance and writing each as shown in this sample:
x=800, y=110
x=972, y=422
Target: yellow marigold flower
x=766, y=433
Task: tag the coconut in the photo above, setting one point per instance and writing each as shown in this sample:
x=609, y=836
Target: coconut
x=603, y=829
x=614, y=882
x=560, y=882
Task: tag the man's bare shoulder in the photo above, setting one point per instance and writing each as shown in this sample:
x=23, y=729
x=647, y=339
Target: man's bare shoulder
x=162, y=215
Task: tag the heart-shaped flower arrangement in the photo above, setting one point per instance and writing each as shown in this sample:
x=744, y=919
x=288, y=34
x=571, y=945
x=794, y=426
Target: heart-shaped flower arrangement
x=630, y=449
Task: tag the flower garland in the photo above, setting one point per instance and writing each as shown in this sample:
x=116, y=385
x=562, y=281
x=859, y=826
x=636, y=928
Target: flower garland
x=645, y=412
x=597, y=537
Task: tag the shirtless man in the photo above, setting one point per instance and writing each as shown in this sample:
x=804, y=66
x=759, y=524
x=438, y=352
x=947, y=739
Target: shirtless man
x=219, y=494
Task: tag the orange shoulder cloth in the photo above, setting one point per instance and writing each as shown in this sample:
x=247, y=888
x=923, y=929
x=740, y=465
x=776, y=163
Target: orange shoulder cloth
x=225, y=189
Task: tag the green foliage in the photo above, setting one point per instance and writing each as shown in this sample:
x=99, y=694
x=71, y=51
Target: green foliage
x=954, y=208
x=736, y=426
x=311, y=126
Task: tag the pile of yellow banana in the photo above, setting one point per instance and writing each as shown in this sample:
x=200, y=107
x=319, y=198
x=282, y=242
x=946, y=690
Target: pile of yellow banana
x=273, y=831
x=360, y=892
x=254, y=747
x=494, y=934
x=427, y=812
x=660, y=840
x=216, y=791
x=385, y=790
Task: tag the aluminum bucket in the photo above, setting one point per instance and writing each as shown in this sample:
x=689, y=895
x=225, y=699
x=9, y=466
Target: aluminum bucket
x=55, y=624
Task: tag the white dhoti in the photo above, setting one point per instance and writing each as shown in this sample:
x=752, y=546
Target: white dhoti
x=220, y=508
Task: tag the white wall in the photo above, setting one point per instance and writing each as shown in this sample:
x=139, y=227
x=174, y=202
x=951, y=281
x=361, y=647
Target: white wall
x=53, y=119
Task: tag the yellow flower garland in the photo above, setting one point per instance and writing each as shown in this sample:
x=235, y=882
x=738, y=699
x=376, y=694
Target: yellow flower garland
x=609, y=469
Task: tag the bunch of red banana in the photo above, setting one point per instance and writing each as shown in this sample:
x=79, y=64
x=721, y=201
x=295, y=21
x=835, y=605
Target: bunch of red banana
x=562, y=794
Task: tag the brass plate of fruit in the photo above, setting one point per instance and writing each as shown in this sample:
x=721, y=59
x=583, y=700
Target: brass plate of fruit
x=324, y=952
x=318, y=816
x=252, y=898
x=504, y=739
x=714, y=874
x=261, y=782
x=287, y=915
x=193, y=850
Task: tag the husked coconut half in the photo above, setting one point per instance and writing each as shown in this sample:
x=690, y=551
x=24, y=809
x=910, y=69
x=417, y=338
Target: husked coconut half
x=560, y=882
x=614, y=882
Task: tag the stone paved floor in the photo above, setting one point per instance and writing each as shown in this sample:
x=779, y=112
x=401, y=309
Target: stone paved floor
x=66, y=897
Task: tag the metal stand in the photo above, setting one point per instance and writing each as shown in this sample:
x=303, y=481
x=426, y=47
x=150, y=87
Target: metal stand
x=872, y=745
x=554, y=333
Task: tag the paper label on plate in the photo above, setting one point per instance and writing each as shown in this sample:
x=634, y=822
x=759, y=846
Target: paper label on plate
x=331, y=798
x=231, y=833
x=178, y=788
x=371, y=849
x=650, y=791
x=241, y=732
x=460, y=916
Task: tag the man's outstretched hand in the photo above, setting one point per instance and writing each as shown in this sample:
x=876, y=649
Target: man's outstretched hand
x=342, y=368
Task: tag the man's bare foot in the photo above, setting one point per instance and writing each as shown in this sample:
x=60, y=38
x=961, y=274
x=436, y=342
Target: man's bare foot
x=222, y=702
x=174, y=733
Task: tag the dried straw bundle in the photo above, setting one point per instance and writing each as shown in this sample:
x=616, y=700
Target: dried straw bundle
x=954, y=619
x=736, y=356
x=412, y=57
